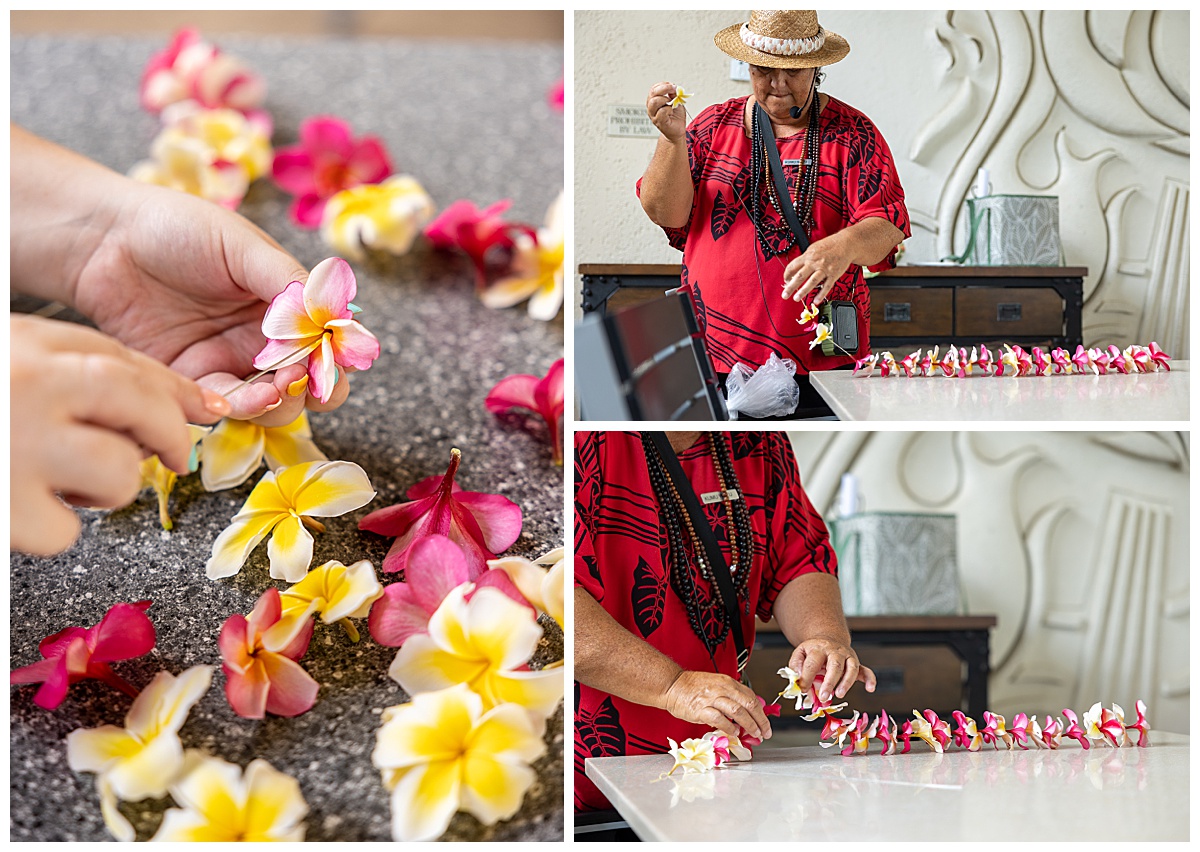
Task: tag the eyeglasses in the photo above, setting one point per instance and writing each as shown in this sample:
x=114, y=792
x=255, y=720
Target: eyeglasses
x=763, y=71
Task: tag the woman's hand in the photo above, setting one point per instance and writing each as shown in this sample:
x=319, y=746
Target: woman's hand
x=85, y=411
x=816, y=271
x=835, y=662
x=717, y=701
x=670, y=121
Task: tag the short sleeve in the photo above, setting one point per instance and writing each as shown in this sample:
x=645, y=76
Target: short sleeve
x=699, y=142
x=872, y=185
x=798, y=540
x=587, y=498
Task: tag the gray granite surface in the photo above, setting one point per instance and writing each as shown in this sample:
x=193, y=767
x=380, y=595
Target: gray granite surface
x=469, y=120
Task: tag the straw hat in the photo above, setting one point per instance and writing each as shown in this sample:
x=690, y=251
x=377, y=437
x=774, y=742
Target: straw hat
x=782, y=40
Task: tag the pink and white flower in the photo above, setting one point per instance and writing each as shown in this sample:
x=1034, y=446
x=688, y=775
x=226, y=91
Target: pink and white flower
x=543, y=396
x=259, y=655
x=966, y=735
x=190, y=69
x=1141, y=725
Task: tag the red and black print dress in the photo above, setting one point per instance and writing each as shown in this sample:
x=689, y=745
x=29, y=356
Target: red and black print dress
x=736, y=287
x=621, y=560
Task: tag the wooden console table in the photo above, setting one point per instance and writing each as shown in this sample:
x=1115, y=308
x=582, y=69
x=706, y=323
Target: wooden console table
x=916, y=659
x=618, y=285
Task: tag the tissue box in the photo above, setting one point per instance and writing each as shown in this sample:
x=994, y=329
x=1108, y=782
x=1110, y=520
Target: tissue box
x=894, y=563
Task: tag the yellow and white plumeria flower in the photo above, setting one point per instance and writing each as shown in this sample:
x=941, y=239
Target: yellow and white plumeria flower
x=334, y=592
x=284, y=503
x=694, y=755
x=680, y=97
x=140, y=760
x=229, y=134
x=544, y=589
x=221, y=804
x=441, y=753
x=235, y=449
x=386, y=216
x=537, y=270
x=162, y=479
x=483, y=642
x=822, y=334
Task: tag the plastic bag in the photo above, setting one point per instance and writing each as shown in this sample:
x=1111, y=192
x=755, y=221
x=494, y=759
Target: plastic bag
x=769, y=391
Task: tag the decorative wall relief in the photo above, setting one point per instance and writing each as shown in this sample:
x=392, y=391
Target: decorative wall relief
x=1092, y=107
x=1077, y=542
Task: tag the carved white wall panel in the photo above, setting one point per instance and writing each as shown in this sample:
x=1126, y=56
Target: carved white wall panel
x=1077, y=542
x=1093, y=107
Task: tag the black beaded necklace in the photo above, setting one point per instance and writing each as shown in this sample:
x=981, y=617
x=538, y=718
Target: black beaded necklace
x=676, y=520
x=806, y=184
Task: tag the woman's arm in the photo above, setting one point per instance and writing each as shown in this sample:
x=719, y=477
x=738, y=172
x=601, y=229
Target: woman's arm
x=610, y=658
x=809, y=611
x=666, y=192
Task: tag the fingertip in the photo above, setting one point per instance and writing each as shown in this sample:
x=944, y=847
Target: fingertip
x=217, y=405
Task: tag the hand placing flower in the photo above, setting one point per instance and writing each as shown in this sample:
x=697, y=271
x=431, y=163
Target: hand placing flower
x=286, y=503
x=259, y=655
x=76, y=653
x=314, y=321
x=442, y=753
x=542, y=396
x=234, y=449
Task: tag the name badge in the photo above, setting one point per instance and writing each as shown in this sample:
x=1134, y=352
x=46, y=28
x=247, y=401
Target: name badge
x=792, y=162
x=715, y=496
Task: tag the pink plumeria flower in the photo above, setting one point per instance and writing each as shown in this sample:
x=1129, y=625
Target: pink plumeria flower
x=1053, y=732
x=1160, y=359
x=886, y=733
x=190, y=69
x=985, y=359
x=543, y=396
x=812, y=701
x=1098, y=360
x=78, y=653
x=860, y=736
x=1041, y=362
x=966, y=735
x=928, y=365
x=1116, y=360
x=1025, y=729
x=475, y=232
x=994, y=731
x=1106, y=725
x=931, y=729
x=314, y=321
x=904, y=733
x=1141, y=725
x=327, y=160
x=479, y=523
x=1074, y=731
x=750, y=741
x=1139, y=357
x=720, y=746
x=967, y=362
x=838, y=729
x=887, y=364
x=436, y=566
x=1082, y=362
x=867, y=364
x=259, y=655
x=949, y=363
x=909, y=364
x=1061, y=360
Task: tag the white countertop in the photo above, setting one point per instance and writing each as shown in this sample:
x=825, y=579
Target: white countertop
x=1144, y=396
x=810, y=793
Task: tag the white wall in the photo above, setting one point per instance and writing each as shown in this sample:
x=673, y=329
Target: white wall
x=1093, y=107
x=1076, y=541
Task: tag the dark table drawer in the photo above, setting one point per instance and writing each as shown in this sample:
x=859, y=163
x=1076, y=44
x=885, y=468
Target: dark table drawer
x=912, y=312
x=1009, y=311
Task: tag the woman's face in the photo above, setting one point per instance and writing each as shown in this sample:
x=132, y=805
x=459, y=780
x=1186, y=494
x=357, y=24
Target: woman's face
x=780, y=89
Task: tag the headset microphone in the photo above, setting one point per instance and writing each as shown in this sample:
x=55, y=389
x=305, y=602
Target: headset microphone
x=796, y=112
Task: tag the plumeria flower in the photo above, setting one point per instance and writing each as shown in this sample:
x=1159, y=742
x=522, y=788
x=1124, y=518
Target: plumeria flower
x=336, y=593
x=76, y=653
x=693, y=755
x=259, y=655
x=190, y=69
x=189, y=165
x=537, y=270
x=1061, y=360
x=993, y=730
x=442, y=753
x=236, y=448
x=867, y=364
x=1099, y=360
x=435, y=567
x=476, y=232
x=543, y=582
x=385, y=216
x=838, y=729
x=220, y=804
x=887, y=364
x=949, y=363
x=808, y=317
x=1041, y=362
x=749, y=740
x=680, y=97
x=822, y=334
x=985, y=359
x=327, y=160
x=1082, y=362
x=814, y=703
x=909, y=364
x=1106, y=725
x=1160, y=359
x=933, y=730
x=966, y=735
x=542, y=396
x=1025, y=729
x=485, y=642
x=1117, y=360
x=481, y=524
x=140, y=760
x=555, y=97
x=720, y=747
x=1139, y=357
x=1053, y=732
x=231, y=136
x=314, y=322
x=284, y=503
x=886, y=733
x=860, y=736
x=1141, y=725
x=904, y=732
x=1074, y=731
x=928, y=364
x=968, y=363
x=162, y=479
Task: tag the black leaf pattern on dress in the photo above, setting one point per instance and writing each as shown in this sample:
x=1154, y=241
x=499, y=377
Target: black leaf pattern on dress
x=715, y=630
x=649, y=596
x=723, y=215
x=600, y=732
x=744, y=444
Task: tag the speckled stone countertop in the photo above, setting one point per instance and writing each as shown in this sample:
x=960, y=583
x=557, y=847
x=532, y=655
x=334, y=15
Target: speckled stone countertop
x=469, y=121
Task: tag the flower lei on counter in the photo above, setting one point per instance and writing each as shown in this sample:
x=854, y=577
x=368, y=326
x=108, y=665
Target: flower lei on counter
x=854, y=735
x=466, y=622
x=1013, y=361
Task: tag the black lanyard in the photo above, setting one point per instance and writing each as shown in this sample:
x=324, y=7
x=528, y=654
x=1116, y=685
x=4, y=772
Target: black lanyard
x=781, y=190
x=720, y=568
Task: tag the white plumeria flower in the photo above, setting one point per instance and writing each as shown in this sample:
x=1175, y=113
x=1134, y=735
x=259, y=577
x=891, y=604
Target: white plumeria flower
x=221, y=804
x=235, y=449
x=537, y=270
x=285, y=503
x=140, y=760
x=544, y=589
x=485, y=643
x=441, y=753
x=694, y=755
x=680, y=97
x=386, y=216
x=822, y=334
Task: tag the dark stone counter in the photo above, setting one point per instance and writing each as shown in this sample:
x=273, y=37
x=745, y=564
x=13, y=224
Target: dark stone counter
x=469, y=121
